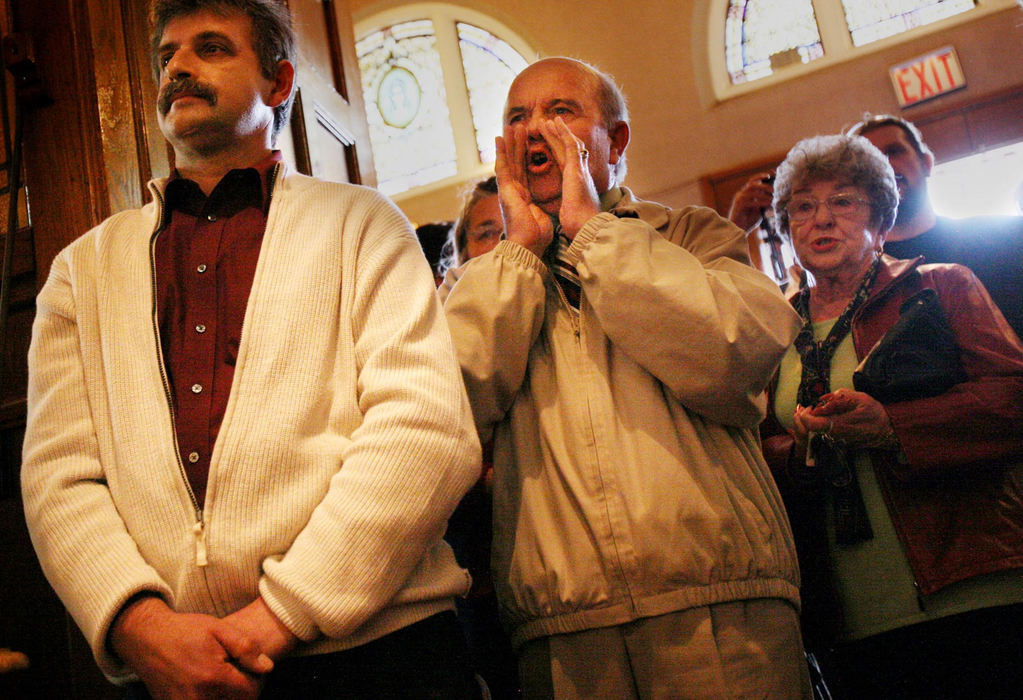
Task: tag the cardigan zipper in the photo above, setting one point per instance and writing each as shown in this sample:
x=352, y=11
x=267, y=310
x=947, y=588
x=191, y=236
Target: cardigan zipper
x=199, y=527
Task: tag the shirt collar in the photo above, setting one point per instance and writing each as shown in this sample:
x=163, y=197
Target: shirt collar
x=609, y=199
x=237, y=189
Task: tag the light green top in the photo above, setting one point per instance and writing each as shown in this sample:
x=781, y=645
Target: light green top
x=873, y=578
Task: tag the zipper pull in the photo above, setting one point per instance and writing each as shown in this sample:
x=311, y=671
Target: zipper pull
x=199, y=530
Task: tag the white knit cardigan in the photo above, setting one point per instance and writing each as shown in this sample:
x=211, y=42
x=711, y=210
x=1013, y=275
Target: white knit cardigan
x=346, y=442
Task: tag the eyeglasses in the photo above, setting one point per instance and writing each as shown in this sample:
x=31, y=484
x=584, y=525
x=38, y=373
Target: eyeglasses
x=801, y=208
x=486, y=234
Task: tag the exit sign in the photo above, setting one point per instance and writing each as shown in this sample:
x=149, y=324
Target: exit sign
x=927, y=77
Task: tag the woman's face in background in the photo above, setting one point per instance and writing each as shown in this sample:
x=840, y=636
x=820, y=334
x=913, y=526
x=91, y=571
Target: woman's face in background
x=485, y=227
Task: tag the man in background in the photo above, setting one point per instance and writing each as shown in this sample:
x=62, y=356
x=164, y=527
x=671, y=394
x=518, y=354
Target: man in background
x=246, y=427
x=991, y=246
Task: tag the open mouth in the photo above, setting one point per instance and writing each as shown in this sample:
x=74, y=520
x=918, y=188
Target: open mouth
x=538, y=162
x=824, y=244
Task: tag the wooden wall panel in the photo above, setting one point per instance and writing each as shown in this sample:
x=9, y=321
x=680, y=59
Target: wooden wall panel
x=965, y=128
x=329, y=135
x=63, y=144
x=86, y=155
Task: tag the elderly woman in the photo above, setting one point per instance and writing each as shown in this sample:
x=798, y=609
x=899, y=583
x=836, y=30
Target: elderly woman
x=479, y=227
x=908, y=514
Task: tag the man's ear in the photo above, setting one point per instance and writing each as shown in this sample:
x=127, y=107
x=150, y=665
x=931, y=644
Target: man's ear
x=284, y=81
x=928, y=162
x=619, y=141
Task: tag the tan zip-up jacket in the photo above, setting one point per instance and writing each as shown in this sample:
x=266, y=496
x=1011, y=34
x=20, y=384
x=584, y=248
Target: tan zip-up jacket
x=346, y=443
x=629, y=480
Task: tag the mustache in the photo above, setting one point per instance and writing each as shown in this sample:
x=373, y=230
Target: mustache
x=184, y=86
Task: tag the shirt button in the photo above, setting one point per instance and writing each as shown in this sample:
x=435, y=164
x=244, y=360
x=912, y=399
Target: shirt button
x=197, y=388
x=193, y=457
x=200, y=328
x=201, y=268
x=211, y=217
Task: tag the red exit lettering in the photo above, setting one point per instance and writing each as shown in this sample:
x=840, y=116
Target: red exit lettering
x=928, y=76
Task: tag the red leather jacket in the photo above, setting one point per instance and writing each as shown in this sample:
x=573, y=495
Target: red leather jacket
x=957, y=505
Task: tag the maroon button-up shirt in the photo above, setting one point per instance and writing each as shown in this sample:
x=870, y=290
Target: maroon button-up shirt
x=205, y=260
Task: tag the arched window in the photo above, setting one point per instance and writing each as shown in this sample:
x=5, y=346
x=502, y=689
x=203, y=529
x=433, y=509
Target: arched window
x=434, y=77
x=768, y=40
x=760, y=35
x=872, y=21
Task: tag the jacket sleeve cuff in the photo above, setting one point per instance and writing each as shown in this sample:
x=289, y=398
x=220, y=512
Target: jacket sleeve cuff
x=521, y=255
x=587, y=234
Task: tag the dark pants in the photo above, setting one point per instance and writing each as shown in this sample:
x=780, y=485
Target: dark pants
x=489, y=648
x=974, y=655
x=424, y=661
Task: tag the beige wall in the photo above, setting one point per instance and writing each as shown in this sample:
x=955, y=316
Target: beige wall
x=656, y=50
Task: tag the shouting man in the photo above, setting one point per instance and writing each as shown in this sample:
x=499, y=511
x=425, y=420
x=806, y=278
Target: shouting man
x=617, y=351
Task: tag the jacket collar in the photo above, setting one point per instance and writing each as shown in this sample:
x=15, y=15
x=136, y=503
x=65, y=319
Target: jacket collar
x=654, y=214
x=892, y=272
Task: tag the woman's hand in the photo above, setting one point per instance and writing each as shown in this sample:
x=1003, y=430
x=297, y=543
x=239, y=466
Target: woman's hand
x=847, y=416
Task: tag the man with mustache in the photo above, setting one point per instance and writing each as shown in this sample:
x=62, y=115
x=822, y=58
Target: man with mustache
x=246, y=425
x=617, y=351
x=991, y=246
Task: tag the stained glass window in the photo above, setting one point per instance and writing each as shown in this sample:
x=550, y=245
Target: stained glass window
x=762, y=36
x=870, y=20
x=406, y=106
x=409, y=110
x=490, y=64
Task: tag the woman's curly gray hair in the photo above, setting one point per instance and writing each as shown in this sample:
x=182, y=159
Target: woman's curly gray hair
x=849, y=160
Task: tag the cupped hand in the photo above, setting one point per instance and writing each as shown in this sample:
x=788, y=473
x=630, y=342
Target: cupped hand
x=580, y=200
x=524, y=222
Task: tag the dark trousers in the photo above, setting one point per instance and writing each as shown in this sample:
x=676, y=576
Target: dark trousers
x=978, y=654
x=424, y=661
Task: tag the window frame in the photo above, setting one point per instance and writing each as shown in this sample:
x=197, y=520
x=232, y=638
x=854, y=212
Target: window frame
x=835, y=38
x=444, y=16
